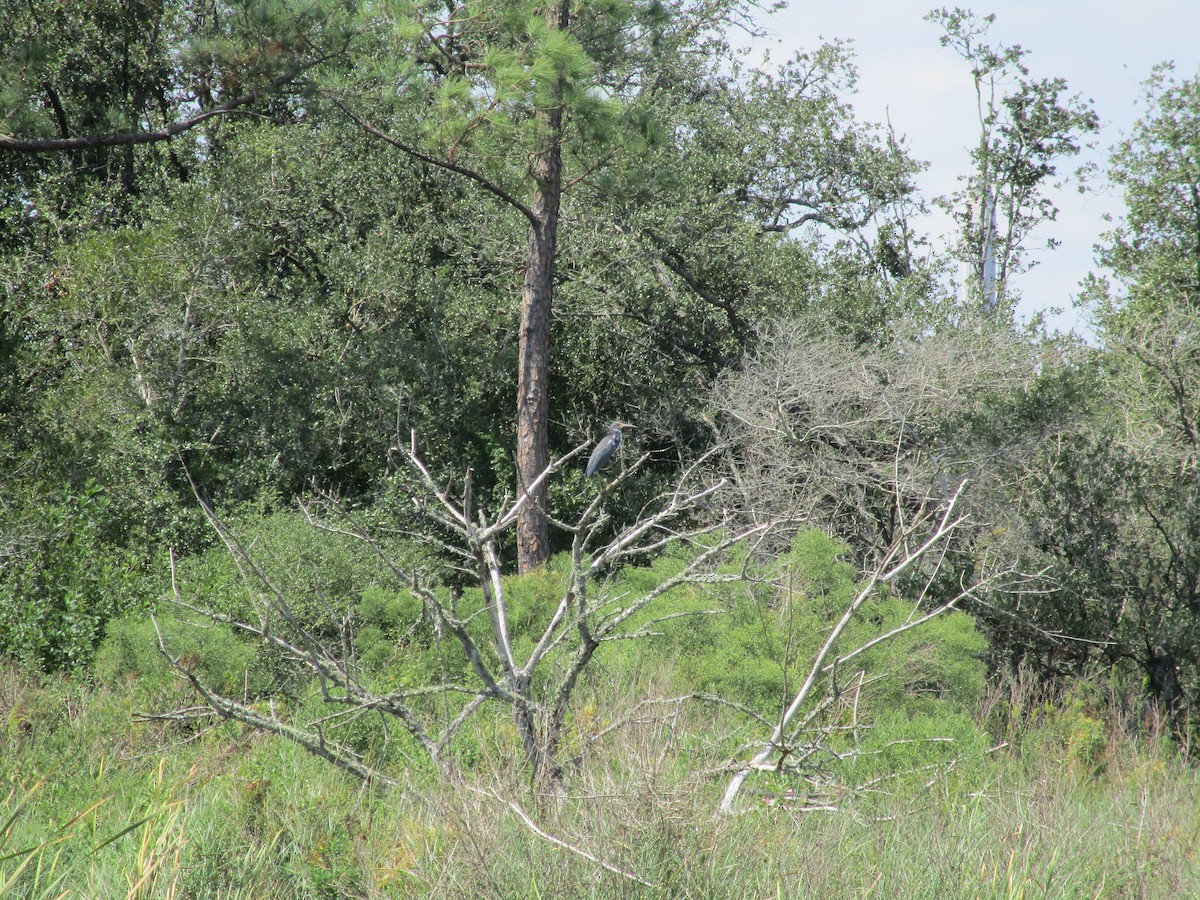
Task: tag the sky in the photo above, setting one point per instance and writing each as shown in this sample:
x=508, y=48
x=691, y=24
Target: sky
x=1104, y=49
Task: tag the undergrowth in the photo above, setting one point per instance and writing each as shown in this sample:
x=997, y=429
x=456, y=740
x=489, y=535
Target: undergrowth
x=1060, y=801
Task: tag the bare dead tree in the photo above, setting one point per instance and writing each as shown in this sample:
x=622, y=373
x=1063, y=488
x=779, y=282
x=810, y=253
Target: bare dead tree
x=537, y=685
x=874, y=446
x=922, y=546
x=854, y=439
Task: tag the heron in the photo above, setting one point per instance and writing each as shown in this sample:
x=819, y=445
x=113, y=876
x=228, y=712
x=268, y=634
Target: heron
x=607, y=448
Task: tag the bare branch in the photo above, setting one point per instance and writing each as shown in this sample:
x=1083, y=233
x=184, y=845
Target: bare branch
x=448, y=165
x=231, y=709
x=121, y=139
x=559, y=842
x=893, y=565
x=538, y=695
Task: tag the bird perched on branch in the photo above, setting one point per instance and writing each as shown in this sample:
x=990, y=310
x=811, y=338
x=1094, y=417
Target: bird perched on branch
x=607, y=448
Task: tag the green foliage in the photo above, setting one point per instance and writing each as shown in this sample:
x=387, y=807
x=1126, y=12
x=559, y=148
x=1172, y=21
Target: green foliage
x=1115, y=514
x=279, y=297
x=69, y=572
x=1027, y=126
x=903, y=752
x=65, y=70
x=1154, y=252
x=225, y=308
x=222, y=660
x=390, y=625
x=44, y=879
x=326, y=580
x=937, y=666
x=246, y=818
x=1084, y=738
x=723, y=642
x=320, y=575
x=755, y=646
x=741, y=641
x=1076, y=724
x=395, y=642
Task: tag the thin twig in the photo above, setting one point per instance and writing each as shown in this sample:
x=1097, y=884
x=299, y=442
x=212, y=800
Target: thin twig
x=559, y=842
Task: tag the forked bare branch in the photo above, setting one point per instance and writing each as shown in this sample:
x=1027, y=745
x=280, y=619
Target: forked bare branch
x=901, y=556
x=538, y=683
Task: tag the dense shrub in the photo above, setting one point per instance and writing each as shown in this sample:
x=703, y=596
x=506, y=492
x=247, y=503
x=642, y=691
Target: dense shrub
x=221, y=659
x=320, y=574
x=753, y=642
x=68, y=572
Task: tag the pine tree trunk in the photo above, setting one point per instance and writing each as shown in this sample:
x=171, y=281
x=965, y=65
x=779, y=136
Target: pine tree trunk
x=537, y=295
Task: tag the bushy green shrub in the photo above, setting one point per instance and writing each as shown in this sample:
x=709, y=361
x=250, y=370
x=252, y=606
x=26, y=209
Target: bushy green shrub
x=716, y=637
x=1074, y=730
x=222, y=660
x=394, y=636
x=742, y=640
x=753, y=643
x=904, y=751
x=395, y=641
x=67, y=574
x=320, y=574
x=939, y=664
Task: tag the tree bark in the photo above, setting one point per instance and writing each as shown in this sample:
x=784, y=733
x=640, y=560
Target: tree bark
x=537, y=295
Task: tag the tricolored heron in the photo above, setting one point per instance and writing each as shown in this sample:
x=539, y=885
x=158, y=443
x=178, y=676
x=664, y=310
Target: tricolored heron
x=607, y=448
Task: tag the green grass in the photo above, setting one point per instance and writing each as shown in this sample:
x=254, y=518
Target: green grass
x=100, y=805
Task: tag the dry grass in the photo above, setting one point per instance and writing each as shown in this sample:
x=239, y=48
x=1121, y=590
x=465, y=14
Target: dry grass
x=233, y=816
